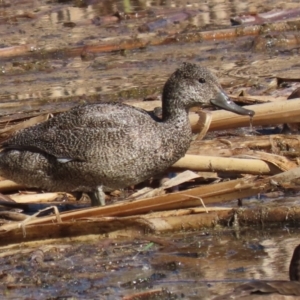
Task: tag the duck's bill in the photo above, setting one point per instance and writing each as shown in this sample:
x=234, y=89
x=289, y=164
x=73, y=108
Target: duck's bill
x=223, y=101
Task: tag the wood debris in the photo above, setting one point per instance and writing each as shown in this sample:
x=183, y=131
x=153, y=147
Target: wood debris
x=255, y=164
x=182, y=209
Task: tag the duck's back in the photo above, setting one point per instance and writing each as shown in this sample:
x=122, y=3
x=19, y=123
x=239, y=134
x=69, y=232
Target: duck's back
x=114, y=145
x=71, y=135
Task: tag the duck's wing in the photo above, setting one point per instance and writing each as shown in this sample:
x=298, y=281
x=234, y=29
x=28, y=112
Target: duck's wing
x=63, y=144
x=69, y=135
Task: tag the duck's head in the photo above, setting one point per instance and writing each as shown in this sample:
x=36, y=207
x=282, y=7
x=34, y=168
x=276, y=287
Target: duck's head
x=192, y=85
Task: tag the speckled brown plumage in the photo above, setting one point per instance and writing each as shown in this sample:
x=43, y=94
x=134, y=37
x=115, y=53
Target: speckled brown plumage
x=110, y=145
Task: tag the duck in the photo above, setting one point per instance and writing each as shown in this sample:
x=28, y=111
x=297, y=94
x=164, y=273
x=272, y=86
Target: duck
x=272, y=290
x=105, y=146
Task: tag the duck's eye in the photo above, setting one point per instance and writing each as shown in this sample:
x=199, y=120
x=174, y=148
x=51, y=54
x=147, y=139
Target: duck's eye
x=201, y=80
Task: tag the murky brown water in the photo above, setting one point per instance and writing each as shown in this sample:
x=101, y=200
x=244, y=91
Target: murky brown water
x=49, y=73
x=52, y=73
x=194, y=265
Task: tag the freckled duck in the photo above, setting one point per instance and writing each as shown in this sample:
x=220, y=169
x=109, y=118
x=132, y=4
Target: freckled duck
x=271, y=290
x=111, y=145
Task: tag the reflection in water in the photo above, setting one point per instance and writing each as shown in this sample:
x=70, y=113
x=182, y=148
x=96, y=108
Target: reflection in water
x=191, y=265
x=254, y=256
x=139, y=71
x=212, y=12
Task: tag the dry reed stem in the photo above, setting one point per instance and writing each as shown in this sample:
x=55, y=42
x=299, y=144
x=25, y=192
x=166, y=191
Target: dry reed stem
x=275, y=112
x=215, y=193
x=34, y=198
x=9, y=185
x=265, y=114
x=224, y=164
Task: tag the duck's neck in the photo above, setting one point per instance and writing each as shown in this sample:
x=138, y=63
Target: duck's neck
x=173, y=110
x=176, y=117
x=175, y=122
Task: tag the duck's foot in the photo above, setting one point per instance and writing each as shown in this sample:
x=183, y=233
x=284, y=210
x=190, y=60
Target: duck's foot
x=97, y=197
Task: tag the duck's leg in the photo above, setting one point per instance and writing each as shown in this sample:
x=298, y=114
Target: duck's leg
x=97, y=197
